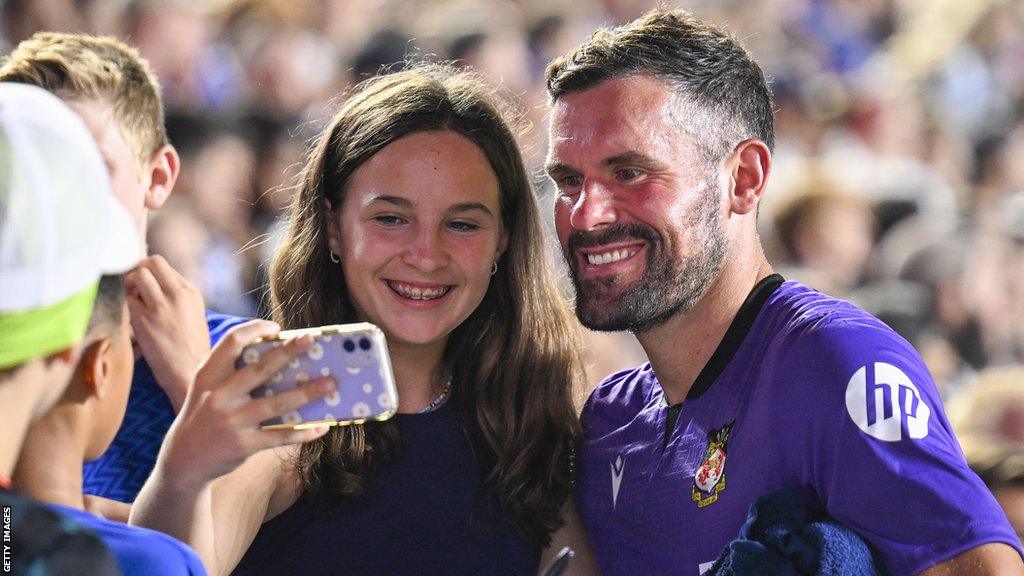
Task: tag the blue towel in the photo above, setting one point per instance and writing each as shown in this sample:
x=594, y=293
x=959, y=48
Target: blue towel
x=784, y=535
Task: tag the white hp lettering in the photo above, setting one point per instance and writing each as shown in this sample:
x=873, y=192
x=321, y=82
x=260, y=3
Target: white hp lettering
x=880, y=405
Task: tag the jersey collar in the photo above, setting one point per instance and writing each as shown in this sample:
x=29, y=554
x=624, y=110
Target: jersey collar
x=735, y=335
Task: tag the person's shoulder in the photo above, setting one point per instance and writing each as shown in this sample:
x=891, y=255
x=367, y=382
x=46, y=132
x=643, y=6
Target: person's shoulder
x=622, y=389
x=822, y=345
x=219, y=324
x=140, y=550
x=809, y=321
x=47, y=543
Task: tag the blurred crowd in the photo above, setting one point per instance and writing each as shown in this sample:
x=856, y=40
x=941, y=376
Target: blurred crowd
x=899, y=125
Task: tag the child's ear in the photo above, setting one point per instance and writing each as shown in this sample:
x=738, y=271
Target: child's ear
x=163, y=169
x=95, y=367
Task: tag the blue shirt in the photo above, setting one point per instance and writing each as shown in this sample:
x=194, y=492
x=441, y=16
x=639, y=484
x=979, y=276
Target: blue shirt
x=807, y=392
x=38, y=541
x=122, y=470
x=139, y=551
x=424, y=514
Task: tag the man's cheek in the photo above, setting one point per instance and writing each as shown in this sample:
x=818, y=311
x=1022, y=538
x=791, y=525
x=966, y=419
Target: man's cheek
x=562, y=226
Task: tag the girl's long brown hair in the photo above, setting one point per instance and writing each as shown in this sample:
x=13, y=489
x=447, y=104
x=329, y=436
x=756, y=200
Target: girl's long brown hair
x=514, y=362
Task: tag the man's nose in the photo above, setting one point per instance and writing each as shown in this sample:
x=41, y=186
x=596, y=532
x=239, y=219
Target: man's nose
x=594, y=208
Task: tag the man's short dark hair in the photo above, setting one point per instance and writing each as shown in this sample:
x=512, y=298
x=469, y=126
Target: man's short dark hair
x=107, y=308
x=709, y=69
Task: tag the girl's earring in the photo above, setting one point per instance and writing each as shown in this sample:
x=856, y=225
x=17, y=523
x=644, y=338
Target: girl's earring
x=494, y=269
x=335, y=258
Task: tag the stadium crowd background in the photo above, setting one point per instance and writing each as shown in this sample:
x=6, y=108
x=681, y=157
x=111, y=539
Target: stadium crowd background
x=899, y=175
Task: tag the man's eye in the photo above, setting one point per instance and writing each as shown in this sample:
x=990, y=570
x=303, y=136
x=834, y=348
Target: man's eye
x=572, y=181
x=628, y=174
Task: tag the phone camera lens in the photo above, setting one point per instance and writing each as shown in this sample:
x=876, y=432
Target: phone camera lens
x=364, y=343
x=350, y=346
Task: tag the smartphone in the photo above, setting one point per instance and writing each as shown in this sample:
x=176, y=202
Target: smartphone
x=354, y=355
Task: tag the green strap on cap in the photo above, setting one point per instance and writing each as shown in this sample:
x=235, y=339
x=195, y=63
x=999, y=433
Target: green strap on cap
x=42, y=331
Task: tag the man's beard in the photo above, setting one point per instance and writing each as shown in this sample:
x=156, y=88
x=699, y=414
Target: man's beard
x=671, y=284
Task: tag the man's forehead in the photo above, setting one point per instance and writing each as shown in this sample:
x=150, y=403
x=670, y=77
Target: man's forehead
x=621, y=104
x=608, y=121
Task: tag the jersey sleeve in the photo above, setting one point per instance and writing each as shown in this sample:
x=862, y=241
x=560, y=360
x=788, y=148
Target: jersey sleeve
x=881, y=454
x=219, y=324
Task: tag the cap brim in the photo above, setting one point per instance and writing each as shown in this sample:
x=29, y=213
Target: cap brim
x=124, y=245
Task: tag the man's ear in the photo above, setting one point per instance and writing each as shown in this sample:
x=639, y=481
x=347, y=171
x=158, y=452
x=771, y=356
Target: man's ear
x=94, y=367
x=751, y=164
x=163, y=170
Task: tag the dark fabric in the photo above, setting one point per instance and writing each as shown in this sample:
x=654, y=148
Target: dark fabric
x=784, y=535
x=43, y=543
x=424, y=515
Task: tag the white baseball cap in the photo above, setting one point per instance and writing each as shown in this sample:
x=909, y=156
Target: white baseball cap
x=61, y=227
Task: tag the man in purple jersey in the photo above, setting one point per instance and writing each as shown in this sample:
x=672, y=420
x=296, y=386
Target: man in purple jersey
x=660, y=146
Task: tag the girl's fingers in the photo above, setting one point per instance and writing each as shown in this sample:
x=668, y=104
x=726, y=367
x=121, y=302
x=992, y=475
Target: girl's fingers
x=271, y=361
x=220, y=364
x=262, y=409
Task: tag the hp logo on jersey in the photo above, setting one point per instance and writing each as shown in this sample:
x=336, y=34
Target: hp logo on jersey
x=885, y=404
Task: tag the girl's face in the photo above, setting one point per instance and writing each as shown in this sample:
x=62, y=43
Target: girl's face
x=418, y=233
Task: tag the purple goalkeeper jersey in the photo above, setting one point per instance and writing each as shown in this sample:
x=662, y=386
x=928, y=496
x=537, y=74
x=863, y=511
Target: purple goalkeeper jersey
x=805, y=391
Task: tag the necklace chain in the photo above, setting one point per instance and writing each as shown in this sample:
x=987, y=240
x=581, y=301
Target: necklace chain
x=439, y=399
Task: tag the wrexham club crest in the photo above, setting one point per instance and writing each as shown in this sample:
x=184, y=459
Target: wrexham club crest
x=710, y=477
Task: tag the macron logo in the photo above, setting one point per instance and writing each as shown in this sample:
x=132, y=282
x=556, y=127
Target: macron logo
x=617, y=468
x=885, y=404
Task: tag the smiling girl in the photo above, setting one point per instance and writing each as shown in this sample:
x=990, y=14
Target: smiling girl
x=414, y=212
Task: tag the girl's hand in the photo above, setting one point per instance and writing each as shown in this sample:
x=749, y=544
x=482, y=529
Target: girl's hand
x=219, y=424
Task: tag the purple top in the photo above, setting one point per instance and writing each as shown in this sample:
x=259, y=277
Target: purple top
x=805, y=391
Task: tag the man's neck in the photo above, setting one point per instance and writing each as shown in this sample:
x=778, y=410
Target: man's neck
x=680, y=348
x=50, y=466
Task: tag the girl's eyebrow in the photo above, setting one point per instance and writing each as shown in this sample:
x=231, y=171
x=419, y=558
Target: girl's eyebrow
x=469, y=206
x=396, y=200
x=406, y=203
